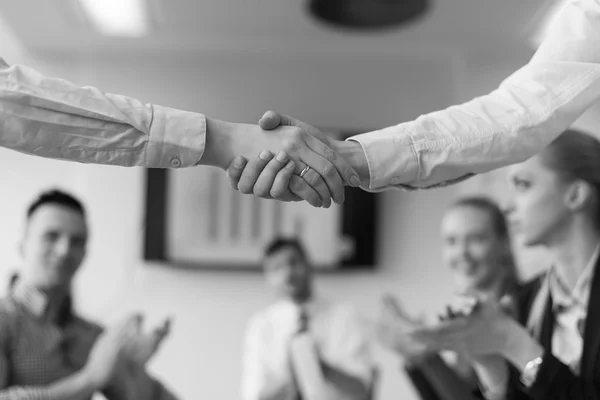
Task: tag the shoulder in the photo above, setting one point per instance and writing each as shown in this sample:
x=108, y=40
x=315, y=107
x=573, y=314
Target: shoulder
x=10, y=314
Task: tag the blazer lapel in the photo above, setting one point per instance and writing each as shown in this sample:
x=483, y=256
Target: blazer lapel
x=590, y=356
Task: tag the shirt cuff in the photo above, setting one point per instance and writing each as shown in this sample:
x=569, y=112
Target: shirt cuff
x=177, y=138
x=29, y=393
x=391, y=158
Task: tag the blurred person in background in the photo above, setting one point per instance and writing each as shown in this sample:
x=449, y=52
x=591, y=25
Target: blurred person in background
x=341, y=352
x=477, y=250
x=552, y=351
x=49, y=352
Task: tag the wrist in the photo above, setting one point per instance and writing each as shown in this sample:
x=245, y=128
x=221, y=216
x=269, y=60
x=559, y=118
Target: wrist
x=353, y=153
x=220, y=139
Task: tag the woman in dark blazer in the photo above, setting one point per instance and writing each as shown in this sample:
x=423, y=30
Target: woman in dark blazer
x=552, y=351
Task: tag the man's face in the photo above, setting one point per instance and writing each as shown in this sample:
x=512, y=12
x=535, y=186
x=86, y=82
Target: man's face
x=288, y=273
x=54, y=246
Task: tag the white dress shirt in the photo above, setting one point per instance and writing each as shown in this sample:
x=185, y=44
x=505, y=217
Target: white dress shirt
x=57, y=119
x=340, y=340
x=570, y=311
x=529, y=109
x=54, y=118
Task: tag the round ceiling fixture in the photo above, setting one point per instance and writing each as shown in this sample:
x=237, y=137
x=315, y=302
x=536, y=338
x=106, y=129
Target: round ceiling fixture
x=368, y=14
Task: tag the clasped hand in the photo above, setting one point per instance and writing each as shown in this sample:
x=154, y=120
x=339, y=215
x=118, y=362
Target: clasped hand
x=307, y=168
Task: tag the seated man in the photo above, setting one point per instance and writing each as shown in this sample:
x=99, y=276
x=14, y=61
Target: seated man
x=46, y=350
x=340, y=350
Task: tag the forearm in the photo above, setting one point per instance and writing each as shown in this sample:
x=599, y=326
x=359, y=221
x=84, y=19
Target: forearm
x=225, y=140
x=349, y=386
x=54, y=118
x=529, y=109
x=74, y=387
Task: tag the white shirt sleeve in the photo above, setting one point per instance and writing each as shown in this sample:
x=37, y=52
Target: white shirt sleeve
x=512, y=123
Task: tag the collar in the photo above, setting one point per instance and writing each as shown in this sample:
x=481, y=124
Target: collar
x=37, y=302
x=562, y=297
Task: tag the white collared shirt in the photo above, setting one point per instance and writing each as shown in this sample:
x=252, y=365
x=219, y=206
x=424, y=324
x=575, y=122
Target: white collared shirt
x=341, y=343
x=529, y=110
x=570, y=311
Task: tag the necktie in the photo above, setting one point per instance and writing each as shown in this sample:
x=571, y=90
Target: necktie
x=305, y=363
x=302, y=326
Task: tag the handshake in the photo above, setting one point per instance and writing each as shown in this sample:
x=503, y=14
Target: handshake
x=292, y=161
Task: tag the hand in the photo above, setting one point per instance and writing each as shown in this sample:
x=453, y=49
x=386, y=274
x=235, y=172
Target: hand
x=395, y=330
x=275, y=176
x=107, y=351
x=485, y=330
x=460, y=306
x=349, y=150
x=146, y=344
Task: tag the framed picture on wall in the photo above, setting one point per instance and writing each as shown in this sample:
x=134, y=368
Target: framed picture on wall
x=194, y=219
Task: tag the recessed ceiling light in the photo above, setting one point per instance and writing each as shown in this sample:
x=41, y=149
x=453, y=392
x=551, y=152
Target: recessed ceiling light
x=368, y=14
x=125, y=18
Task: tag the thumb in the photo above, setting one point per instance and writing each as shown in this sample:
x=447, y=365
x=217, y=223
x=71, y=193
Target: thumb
x=270, y=120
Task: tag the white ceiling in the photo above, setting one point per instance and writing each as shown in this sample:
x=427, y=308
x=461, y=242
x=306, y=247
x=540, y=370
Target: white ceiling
x=191, y=26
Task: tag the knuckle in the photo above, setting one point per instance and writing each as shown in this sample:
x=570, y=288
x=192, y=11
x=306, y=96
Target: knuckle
x=330, y=154
x=330, y=170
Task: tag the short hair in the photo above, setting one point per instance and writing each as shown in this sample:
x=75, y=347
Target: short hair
x=56, y=197
x=281, y=242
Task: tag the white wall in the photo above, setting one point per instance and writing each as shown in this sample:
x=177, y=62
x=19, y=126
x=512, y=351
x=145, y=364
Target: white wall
x=201, y=359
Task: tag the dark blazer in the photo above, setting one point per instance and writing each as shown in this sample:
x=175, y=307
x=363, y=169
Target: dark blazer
x=555, y=381
x=435, y=380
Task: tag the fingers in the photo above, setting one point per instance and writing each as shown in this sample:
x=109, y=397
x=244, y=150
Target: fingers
x=280, y=189
x=163, y=329
x=270, y=120
x=235, y=170
x=264, y=184
x=301, y=188
x=252, y=170
x=323, y=177
x=345, y=170
x=316, y=182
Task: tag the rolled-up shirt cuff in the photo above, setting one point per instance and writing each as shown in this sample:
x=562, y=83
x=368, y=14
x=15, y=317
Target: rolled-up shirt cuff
x=177, y=138
x=391, y=158
x=22, y=393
